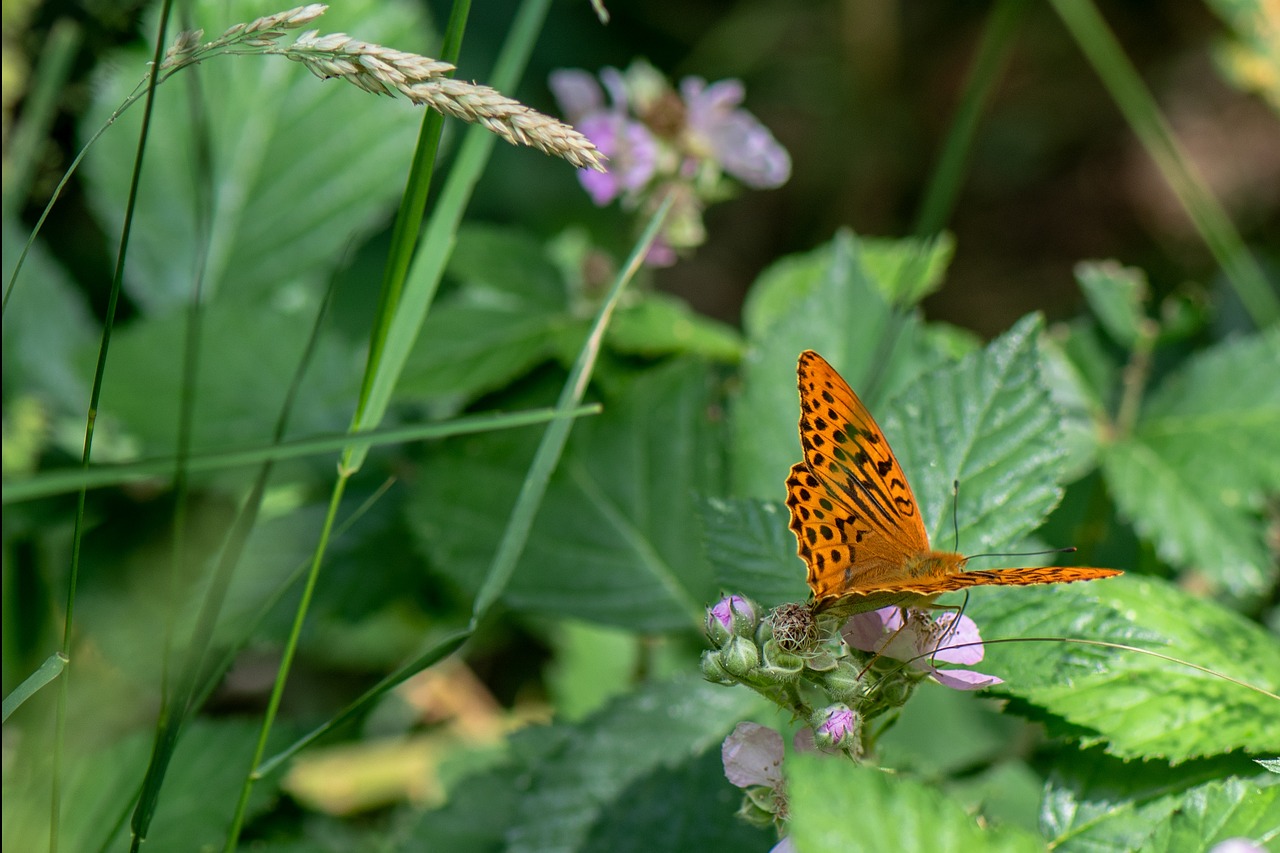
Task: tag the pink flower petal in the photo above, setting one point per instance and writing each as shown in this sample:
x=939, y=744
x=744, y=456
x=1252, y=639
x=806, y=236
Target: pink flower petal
x=752, y=755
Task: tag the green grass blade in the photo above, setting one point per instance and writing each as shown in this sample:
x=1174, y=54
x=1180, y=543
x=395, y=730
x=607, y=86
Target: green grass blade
x=553, y=440
x=77, y=537
x=69, y=480
x=404, y=236
x=988, y=65
x=33, y=683
x=428, y=265
x=432, y=656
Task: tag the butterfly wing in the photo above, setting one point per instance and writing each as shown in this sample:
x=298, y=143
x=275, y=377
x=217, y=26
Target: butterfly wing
x=852, y=512
x=913, y=592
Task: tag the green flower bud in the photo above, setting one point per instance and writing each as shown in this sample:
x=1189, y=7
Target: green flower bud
x=713, y=669
x=740, y=657
x=895, y=690
x=844, y=683
x=751, y=811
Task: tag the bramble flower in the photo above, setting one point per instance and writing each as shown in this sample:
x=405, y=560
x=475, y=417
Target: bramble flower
x=922, y=641
x=733, y=137
x=631, y=149
x=752, y=755
x=661, y=141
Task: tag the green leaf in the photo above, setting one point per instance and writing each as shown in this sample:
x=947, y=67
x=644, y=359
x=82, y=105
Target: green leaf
x=825, y=301
x=1140, y=706
x=839, y=806
x=1095, y=802
x=752, y=551
x=466, y=349
x=1194, y=475
x=907, y=270
x=1248, y=59
x=591, y=665
x=302, y=167
x=46, y=323
x=248, y=359
x=989, y=423
x=203, y=779
x=617, y=540
x=507, y=263
x=660, y=325
x=565, y=786
x=687, y=807
x=1081, y=374
x=1021, y=619
x=1214, y=813
x=1116, y=295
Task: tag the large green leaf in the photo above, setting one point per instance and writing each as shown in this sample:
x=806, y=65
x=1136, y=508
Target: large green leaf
x=468, y=348
x=301, y=166
x=199, y=796
x=989, y=424
x=617, y=540
x=752, y=551
x=825, y=301
x=1096, y=802
x=837, y=806
x=1195, y=474
x=1140, y=706
x=46, y=323
x=510, y=265
x=658, y=325
x=247, y=360
x=566, y=787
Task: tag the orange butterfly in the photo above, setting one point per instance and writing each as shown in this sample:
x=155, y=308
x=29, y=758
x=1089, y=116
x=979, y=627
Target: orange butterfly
x=858, y=525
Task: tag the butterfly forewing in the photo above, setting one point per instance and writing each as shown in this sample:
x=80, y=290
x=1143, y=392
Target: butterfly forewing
x=851, y=509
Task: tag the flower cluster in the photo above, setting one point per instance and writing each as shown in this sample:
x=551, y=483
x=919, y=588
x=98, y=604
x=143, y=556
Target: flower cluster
x=662, y=142
x=834, y=676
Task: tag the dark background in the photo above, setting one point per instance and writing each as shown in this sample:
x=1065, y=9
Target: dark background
x=862, y=94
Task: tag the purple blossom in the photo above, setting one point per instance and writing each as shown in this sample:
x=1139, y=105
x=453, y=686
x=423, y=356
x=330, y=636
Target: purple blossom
x=752, y=755
x=922, y=641
x=733, y=137
x=631, y=148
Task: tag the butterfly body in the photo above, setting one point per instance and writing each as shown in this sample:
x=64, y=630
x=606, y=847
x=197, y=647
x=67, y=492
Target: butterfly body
x=856, y=522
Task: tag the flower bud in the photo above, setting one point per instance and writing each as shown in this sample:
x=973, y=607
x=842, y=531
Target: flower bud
x=740, y=657
x=846, y=684
x=840, y=728
x=732, y=615
x=713, y=669
x=753, y=813
x=896, y=689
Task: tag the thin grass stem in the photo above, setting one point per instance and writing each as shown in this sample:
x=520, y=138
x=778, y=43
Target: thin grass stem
x=1108, y=59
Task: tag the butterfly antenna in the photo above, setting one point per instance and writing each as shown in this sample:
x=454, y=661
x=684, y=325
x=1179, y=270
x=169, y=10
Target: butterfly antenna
x=1070, y=550
x=955, y=513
